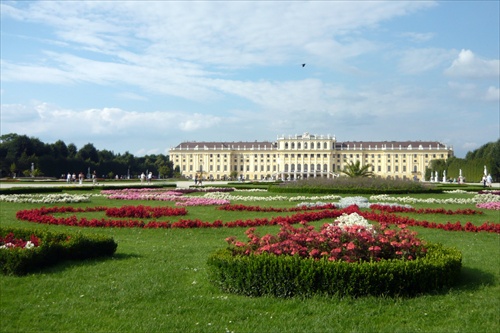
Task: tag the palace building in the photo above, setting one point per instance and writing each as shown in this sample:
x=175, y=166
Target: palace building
x=304, y=156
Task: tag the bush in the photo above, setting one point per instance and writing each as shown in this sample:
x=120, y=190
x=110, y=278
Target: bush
x=286, y=276
x=53, y=248
x=358, y=185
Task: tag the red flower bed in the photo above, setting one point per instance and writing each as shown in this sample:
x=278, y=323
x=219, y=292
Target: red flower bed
x=350, y=244
x=11, y=242
x=386, y=215
x=43, y=215
x=144, y=211
x=401, y=209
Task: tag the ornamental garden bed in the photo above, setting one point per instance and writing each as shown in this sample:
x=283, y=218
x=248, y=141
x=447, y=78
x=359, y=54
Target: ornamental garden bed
x=23, y=251
x=349, y=257
x=158, y=281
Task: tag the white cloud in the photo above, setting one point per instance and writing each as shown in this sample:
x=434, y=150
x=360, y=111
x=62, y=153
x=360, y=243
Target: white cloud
x=417, y=61
x=418, y=37
x=493, y=94
x=468, y=65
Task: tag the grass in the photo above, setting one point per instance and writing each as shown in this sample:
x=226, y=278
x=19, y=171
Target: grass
x=157, y=282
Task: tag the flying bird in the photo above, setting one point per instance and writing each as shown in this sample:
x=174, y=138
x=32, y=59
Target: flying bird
x=303, y=65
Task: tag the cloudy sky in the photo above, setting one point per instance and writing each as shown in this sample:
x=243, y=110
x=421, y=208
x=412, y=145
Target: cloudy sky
x=144, y=76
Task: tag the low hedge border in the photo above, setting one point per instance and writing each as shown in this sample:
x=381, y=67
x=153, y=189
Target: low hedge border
x=349, y=190
x=53, y=248
x=290, y=276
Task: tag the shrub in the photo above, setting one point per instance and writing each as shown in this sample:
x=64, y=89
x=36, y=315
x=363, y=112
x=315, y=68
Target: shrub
x=353, y=186
x=286, y=276
x=52, y=248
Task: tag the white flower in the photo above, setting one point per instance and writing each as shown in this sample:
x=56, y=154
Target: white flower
x=354, y=219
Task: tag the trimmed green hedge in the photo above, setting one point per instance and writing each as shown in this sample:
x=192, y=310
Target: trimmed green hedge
x=288, y=276
x=351, y=190
x=30, y=190
x=53, y=248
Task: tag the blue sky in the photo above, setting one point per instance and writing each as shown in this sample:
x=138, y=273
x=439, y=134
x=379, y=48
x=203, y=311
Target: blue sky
x=143, y=76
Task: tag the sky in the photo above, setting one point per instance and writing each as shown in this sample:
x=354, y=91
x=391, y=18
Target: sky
x=144, y=76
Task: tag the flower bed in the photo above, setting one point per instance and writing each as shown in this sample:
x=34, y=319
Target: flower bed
x=144, y=211
x=349, y=238
x=47, y=249
x=10, y=241
x=347, y=258
x=495, y=205
x=45, y=198
x=386, y=215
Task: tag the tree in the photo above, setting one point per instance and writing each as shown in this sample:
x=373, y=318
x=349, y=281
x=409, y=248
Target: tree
x=354, y=169
x=88, y=153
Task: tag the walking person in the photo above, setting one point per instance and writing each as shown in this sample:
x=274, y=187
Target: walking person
x=489, y=180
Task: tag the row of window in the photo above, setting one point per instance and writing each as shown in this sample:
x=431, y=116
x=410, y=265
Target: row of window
x=306, y=146
x=317, y=155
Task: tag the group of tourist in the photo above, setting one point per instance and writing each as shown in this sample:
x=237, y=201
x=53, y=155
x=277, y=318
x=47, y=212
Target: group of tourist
x=143, y=177
x=72, y=178
x=487, y=180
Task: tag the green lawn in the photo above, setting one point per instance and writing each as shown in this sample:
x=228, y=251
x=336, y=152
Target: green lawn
x=157, y=282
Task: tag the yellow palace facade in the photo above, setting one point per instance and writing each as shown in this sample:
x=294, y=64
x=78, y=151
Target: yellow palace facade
x=304, y=156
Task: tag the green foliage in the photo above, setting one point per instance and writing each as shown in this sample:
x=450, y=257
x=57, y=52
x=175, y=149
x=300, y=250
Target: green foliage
x=53, y=248
x=286, y=276
x=359, y=185
x=354, y=170
x=17, y=152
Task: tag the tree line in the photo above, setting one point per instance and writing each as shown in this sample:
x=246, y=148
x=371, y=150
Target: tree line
x=472, y=165
x=23, y=156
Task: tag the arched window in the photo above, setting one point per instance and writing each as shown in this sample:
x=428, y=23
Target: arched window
x=312, y=167
x=325, y=168
x=325, y=145
x=298, y=145
x=318, y=167
x=286, y=145
x=318, y=145
x=293, y=145
x=298, y=167
x=286, y=167
x=305, y=145
x=305, y=167
x=414, y=168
